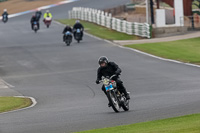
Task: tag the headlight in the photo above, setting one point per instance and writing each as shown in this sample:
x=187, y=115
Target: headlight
x=106, y=81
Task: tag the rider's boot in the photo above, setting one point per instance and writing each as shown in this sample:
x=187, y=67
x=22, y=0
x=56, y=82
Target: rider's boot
x=123, y=90
x=126, y=94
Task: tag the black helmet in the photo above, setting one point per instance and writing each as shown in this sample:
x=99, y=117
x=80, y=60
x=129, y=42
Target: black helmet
x=103, y=59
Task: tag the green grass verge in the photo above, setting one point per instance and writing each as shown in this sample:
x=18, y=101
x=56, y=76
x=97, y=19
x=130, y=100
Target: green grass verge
x=183, y=50
x=184, y=124
x=100, y=31
x=13, y=103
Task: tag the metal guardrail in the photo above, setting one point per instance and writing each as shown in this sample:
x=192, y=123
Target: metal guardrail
x=105, y=19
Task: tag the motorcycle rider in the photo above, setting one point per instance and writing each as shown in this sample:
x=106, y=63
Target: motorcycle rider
x=108, y=69
x=47, y=15
x=76, y=26
x=33, y=19
x=38, y=14
x=5, y=13
x=67, y=28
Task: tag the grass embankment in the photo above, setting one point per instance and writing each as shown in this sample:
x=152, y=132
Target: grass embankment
x=183, y=50
x=16, y=6
x=13, y=103
x=184, y=124
x=100, y=31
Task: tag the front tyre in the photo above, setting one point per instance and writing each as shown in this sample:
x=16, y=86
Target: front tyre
x=67, y=43
x=68, y=40
x=113, y=101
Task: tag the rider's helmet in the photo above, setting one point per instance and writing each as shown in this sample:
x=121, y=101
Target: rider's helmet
x=47, y=11
x=103, y=59
x=67, y=26
x=5, y=10
x=77, y=21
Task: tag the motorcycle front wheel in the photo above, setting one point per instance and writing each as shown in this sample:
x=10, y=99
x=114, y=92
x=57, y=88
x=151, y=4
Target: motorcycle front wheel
x=67, y=43
x=113, y=101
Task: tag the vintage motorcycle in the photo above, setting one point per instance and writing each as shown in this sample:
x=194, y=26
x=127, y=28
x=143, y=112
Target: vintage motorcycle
x=35, y=26
x=4, y=18
x=47, y=21
x=116, y=99
x=67, y=38
x=78, y=35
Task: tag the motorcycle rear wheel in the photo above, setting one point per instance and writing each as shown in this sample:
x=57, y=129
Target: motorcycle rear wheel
x=125, y=105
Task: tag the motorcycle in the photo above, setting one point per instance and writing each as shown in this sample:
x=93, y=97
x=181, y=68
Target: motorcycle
x=5, y=18
x=47, y=21
x=35, y=26
x=68, y=38
x=78, y=35
x=116, y=99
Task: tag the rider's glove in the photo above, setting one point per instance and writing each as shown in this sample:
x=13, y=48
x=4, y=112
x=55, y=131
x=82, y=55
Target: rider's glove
x=97, y=81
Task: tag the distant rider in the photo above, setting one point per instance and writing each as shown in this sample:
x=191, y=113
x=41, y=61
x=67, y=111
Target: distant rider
x=34, y=19
x=76, y=26
x=38, y=14
x=108, y=69
x=5, y=14
x=47, y=15
x=67, y=28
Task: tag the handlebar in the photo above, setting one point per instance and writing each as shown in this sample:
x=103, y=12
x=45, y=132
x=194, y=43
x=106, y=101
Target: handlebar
x=108, y=78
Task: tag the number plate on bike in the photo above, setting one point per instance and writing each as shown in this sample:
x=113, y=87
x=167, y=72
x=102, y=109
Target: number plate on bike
x=109, y=87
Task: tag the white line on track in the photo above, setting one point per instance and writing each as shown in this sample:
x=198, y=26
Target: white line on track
x=7, y=84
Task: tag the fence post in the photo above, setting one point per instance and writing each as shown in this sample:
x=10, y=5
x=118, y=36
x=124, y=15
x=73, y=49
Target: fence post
x=106, y=19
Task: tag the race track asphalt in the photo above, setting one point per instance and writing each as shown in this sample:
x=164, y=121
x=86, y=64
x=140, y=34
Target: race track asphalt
x=62, y=79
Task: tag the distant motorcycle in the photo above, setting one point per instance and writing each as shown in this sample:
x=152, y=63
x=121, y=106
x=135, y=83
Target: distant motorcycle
x=78, y=35
x=4, y=18
x=47, y=21
x=67, y=38
x=35, y=26
x=116, y=99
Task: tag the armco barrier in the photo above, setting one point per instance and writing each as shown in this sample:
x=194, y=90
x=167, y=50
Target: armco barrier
x=105, y=19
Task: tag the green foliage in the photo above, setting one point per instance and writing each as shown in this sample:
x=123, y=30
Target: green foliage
x=196, y=3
